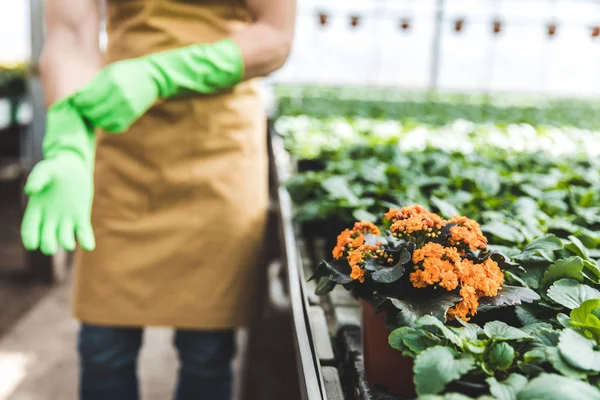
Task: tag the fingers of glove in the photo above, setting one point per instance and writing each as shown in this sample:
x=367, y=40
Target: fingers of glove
x=66, y=235
x=39, y=178
x=49, y=240
x=85, y=235
x=31, y=226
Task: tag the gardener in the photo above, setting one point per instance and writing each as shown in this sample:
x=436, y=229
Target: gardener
x=179, y=198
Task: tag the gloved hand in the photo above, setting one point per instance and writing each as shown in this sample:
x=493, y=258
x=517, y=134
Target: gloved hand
x=123, y=91
x=60, y=188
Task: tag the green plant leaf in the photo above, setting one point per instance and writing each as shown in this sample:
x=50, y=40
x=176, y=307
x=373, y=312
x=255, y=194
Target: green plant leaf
x=388, y=275
x=437, y=366
x=500, y=356
x=578, y=351
x=364, y=215
x=511, y=276
x=580, y=314
x=508, y=388
x=543, y=334
x=429, y=320
x=571, y=294
x=338, y=188
x=499, y=330
x=503, y=231
x=338, y=271
x=575, y=246
x=571, y=268
x=468, y=331
x=557, y=387
x=447, y=210
x=416, y=340
x=526, y=314
x=412, y=306
x=539, y=247
x=535, y=356
x=562, y=366
x=586, y=317
x=592, y=266
x=564, y=320
x=508, y=296
x=324, y=286
x=447, y=396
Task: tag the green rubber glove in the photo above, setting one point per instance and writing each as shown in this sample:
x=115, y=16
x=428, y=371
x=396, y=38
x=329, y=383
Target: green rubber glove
x=60, y=188
x=123, y=91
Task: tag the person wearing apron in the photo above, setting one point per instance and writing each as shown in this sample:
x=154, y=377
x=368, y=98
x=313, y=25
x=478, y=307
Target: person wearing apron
x=155, y=160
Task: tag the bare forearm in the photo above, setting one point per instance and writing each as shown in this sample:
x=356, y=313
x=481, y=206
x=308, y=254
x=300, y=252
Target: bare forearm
x=264, y=50
x=71, y=55
x=266, y=44
x=65, y=69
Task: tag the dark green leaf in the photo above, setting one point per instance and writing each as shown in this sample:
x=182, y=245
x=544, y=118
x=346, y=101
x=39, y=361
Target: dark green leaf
x=508, y=388
x=371, y=264
x=565, y=268
x=388, y=275
x=508, y=296
x=557, y=387
x=500, y=356
x=338, y=271
x=499, y=330
x=437, y=366
x=413, y=306
x=514, y=277
x=404, y=256
x=526, y=314
x=570, y=293
x=533, y=275
x=324, y=286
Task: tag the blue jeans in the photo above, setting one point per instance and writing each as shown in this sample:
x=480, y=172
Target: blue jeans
x=108, y=363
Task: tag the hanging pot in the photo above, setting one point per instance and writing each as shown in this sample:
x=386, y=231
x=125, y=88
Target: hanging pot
x=385, y=367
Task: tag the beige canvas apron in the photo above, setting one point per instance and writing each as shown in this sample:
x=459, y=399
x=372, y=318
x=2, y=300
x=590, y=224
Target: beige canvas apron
x=181, y=198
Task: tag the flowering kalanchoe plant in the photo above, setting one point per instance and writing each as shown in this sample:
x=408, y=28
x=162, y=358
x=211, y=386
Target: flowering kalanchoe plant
x=452, y=274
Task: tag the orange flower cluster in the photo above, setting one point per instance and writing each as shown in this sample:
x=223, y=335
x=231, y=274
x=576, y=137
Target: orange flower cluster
x=351, y=243
x=443, y=266
x=466, y=233
x=413, y=219
x=353, y=238
x=439, y=259
x=438, y=265
x=476, y=280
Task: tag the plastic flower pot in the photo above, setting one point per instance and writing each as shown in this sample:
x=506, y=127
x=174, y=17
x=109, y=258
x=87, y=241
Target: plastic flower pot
x=385, y=367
